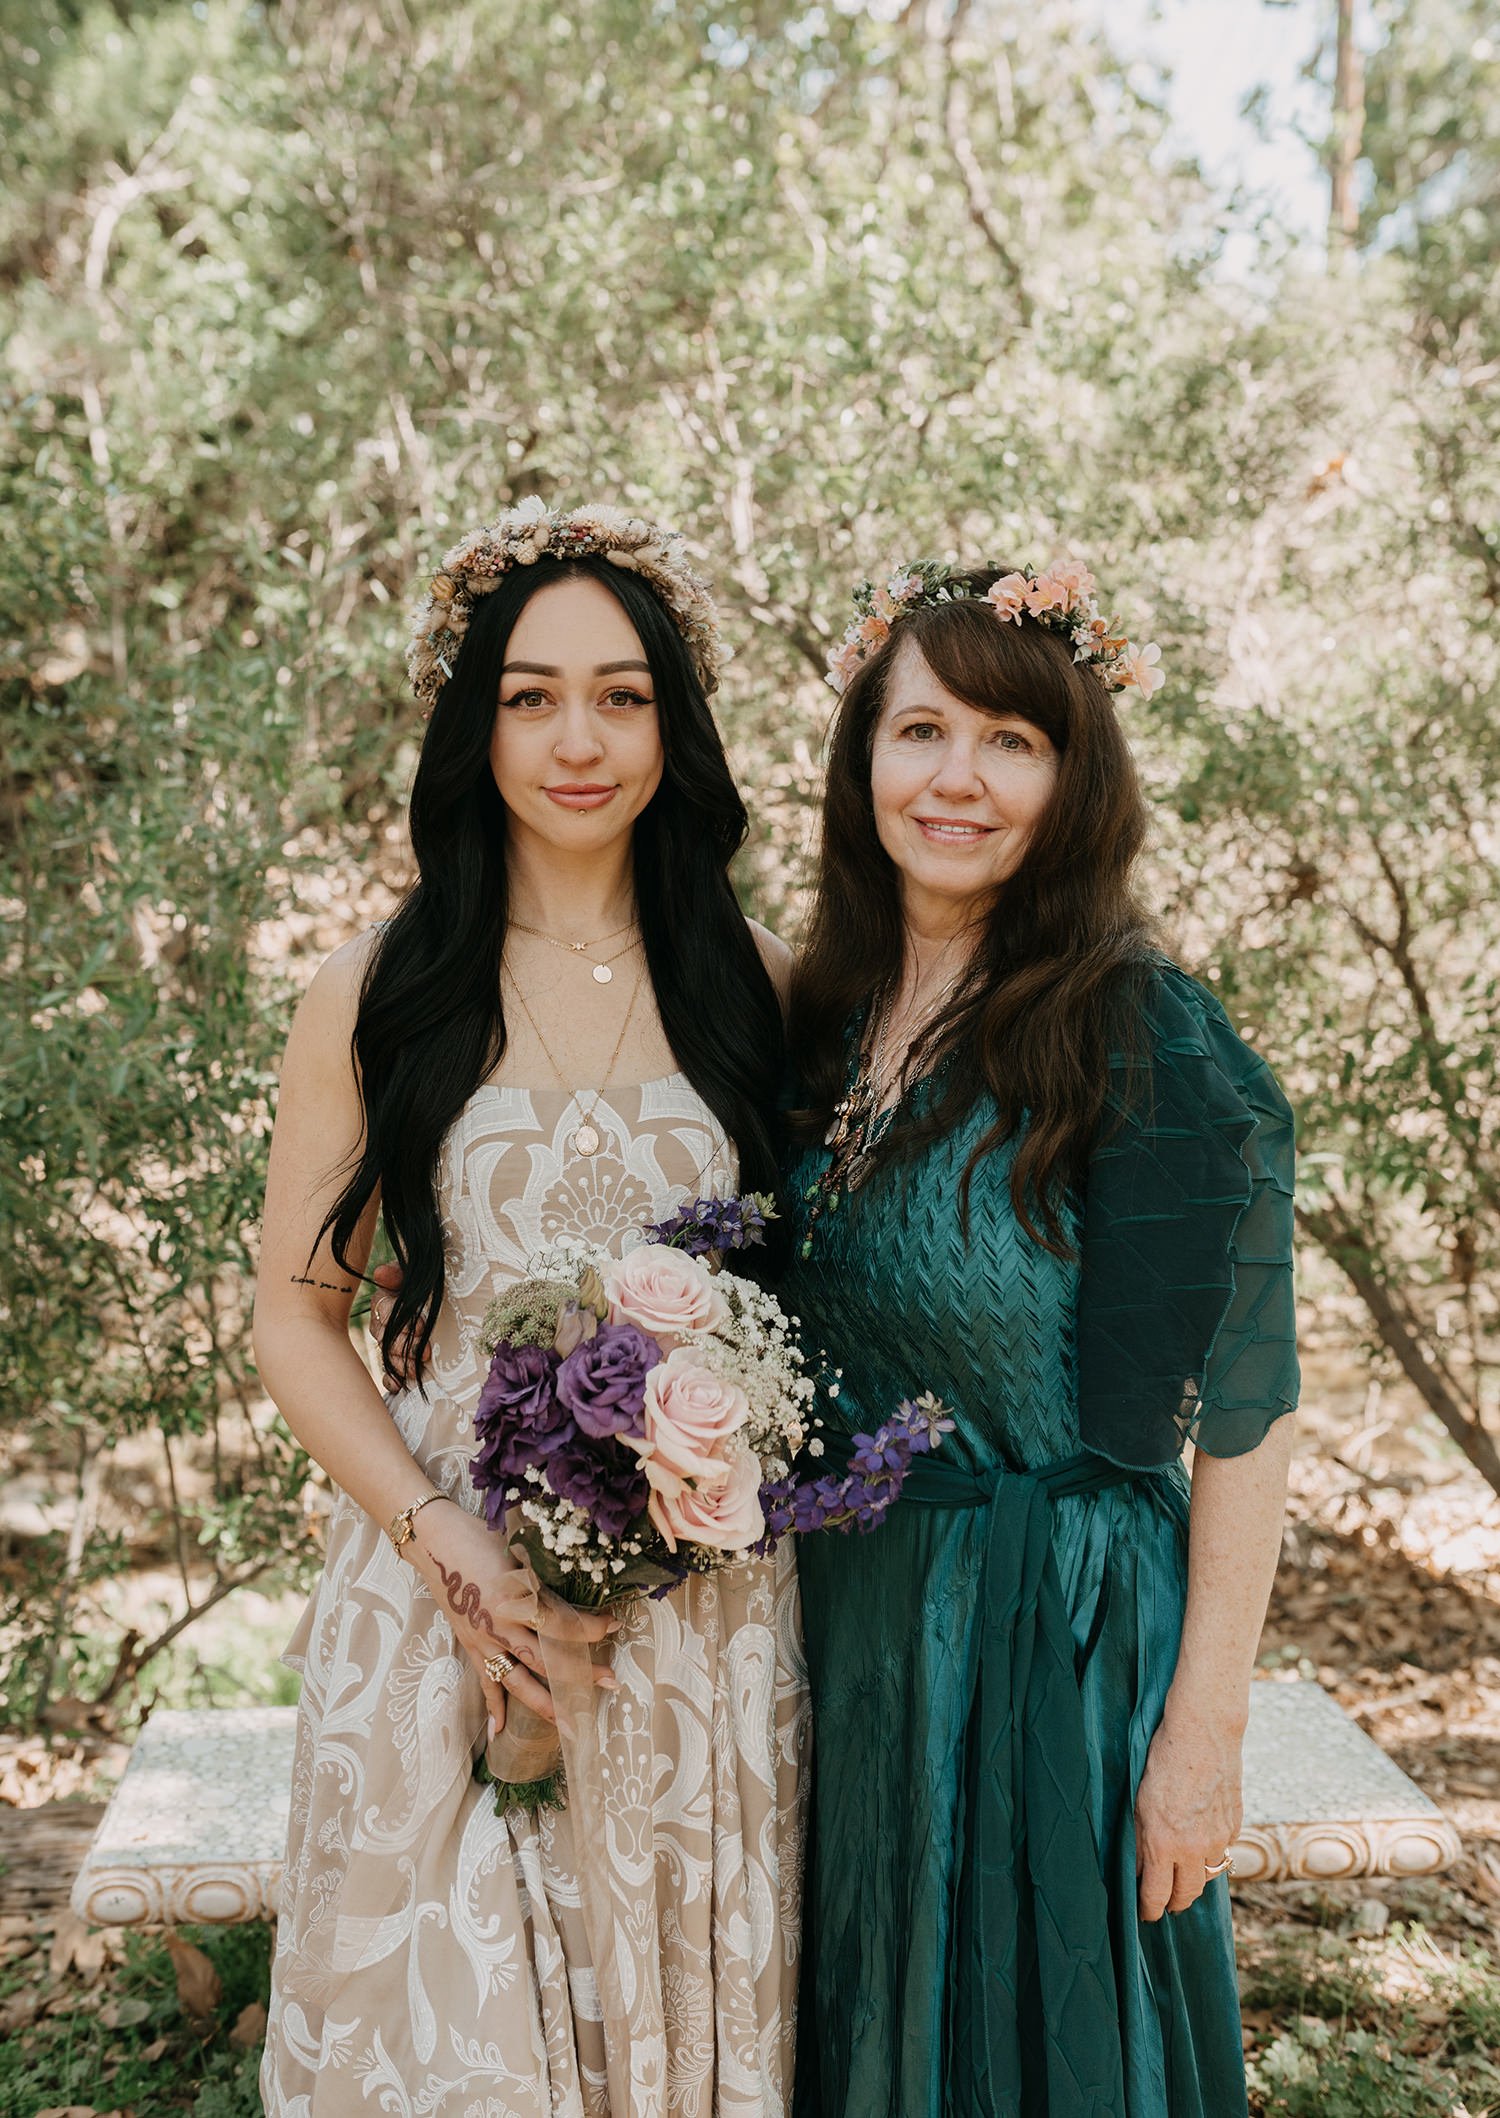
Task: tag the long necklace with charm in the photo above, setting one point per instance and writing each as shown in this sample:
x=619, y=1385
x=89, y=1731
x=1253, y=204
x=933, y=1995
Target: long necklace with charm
x=862, y=1116
x=587, y=1138
x=599, y=966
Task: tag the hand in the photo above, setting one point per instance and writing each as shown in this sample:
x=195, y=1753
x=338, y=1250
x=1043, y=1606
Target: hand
x=404, y=1370
x=1188, y=1808
x=491, y=1603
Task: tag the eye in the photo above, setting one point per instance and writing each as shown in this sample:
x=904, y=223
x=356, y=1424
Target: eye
x=622, y=698
x=528, y=701
x=918, y=731
x=1010, y=739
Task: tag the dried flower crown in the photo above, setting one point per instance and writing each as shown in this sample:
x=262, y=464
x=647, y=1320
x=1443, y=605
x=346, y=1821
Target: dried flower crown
x=532, y=531
x=1061, y=598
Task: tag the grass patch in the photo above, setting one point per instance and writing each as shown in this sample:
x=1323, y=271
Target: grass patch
x=1397, y=2027
x=126, y=2044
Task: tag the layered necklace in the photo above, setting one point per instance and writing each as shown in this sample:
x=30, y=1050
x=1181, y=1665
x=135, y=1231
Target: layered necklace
x=863, y=1114
x=600, y=972
x=587, y=1138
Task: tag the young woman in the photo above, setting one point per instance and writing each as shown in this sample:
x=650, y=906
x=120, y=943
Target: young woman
x=1043, y=1178
x=567, y=1027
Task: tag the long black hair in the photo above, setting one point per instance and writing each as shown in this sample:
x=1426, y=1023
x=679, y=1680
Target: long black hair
x=430, y=1026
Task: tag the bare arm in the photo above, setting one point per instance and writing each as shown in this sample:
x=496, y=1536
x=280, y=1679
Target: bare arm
x=321, y=1386
x=302, y=1302
x=1188, y=1809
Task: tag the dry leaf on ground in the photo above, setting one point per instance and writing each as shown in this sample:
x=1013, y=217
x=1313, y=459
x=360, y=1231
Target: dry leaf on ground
x=76, y=1946
x=199, y=1986
x=249, y=2027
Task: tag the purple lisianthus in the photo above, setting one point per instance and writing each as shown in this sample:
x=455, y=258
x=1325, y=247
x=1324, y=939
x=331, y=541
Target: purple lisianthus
x=606, y=1482
x=517, y=1421
x=603, y=1381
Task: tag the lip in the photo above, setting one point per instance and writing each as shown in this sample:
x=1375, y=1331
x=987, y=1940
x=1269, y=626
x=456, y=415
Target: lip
x=583, y=795
x=953, y=830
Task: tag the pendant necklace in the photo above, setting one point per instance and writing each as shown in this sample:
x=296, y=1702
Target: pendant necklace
x=600, y=965
x=862, y=1117
x=587, y=1138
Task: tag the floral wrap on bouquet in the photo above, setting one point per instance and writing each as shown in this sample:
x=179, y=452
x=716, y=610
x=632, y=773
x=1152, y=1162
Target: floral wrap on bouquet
x=641, y=1421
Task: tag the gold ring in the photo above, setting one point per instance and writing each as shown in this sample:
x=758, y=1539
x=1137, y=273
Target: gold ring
x=1223, y=1867
x=498, y=1667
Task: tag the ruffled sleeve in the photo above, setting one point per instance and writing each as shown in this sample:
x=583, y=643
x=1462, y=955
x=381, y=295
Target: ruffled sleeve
x=1186, y=1318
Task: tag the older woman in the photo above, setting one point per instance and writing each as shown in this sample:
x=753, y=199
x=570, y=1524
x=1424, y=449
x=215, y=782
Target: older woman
x=1043, y=1178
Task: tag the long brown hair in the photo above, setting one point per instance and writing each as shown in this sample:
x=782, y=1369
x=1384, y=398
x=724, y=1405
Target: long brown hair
x=1055, y=980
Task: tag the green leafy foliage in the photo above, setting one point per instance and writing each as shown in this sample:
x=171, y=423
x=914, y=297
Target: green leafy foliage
x=292, y=295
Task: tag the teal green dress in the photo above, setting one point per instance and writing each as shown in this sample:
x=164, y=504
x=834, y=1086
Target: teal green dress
x=989, y=1666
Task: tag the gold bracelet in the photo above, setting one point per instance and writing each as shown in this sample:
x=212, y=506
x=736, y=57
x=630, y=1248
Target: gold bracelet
x=402, y=1529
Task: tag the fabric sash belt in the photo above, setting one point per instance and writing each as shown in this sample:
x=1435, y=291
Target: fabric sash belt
x=1032, y=1999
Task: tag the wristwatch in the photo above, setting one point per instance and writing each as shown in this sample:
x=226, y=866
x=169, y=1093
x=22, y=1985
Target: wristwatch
x=401, y=1531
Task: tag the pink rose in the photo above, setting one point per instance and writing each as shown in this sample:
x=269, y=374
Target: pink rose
x=663, y=1290
x=691, y=1415
x=725, y=1514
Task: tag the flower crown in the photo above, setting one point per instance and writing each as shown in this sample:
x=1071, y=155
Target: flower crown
x=1062, y=599
x=532, y=531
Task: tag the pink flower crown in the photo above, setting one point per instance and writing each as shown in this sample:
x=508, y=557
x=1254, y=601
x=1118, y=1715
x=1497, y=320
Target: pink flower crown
x=1061, y=598
x=531, y=531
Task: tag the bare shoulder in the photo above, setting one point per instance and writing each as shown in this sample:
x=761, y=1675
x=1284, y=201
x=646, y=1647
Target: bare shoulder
x=777, y=957
x=327, y=1012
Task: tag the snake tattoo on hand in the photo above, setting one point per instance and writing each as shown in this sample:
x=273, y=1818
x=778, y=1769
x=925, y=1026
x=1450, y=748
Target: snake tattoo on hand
x=466, y=1601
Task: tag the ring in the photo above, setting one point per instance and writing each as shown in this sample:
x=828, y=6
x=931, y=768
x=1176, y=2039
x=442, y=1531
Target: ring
x=498, y=1667
x=1223, y=1867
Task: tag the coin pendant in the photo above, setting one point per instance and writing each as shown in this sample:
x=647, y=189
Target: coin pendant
x=602, y=974
x=586, y=1140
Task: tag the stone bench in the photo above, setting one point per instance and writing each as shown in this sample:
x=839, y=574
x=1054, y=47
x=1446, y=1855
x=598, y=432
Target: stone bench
x=196, y=1830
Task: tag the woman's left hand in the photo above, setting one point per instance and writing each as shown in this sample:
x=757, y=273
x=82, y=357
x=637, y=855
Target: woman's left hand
x=1188, y=1808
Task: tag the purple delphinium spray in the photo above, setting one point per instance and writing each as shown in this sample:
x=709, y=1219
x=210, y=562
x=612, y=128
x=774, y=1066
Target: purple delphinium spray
x=708, y=1227
x=862, y=1497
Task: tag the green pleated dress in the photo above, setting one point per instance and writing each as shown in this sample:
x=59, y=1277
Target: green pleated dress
x=988, y=1668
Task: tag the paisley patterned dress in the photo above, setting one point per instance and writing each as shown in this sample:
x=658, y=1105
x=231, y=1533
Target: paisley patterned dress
x=432, y=1959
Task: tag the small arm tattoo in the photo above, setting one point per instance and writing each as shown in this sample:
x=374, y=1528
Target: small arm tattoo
x=465, y=1600
x=305, y=1279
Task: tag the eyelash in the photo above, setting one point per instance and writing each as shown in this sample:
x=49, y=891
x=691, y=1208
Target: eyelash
x=620, y=700
x=1003, y=735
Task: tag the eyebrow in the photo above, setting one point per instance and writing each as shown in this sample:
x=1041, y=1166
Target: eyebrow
x=547, y=669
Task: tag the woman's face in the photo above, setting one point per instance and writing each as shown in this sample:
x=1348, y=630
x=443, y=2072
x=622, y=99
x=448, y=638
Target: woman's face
x=957, y=793
x=576, y=750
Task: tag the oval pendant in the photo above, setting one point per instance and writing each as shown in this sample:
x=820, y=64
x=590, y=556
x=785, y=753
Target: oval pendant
x=586, y=1140
x=602, y=974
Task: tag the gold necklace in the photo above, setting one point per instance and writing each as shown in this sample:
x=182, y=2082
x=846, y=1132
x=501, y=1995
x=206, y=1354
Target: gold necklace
x=602, y=974
x=587, y=1137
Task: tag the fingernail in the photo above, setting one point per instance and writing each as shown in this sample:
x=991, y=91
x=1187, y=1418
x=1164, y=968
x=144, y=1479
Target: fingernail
x=608, y=1681
x=492, y=1728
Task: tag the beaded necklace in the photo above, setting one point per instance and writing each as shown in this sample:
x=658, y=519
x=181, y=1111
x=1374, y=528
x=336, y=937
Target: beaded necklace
x=862, y=1116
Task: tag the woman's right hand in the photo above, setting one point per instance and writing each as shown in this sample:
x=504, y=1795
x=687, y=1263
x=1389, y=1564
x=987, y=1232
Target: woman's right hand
x=492, y=1605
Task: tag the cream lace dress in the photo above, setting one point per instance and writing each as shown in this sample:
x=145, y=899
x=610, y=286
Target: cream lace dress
x=431, y=1958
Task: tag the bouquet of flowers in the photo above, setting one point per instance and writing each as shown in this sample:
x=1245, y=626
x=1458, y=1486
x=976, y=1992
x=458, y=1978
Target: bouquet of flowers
x=640, y=1422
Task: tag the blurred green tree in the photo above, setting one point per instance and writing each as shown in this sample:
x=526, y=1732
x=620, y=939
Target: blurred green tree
x=293, y=293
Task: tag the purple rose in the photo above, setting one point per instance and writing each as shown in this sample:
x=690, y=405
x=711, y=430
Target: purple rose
x=603, y=1381
x=606, y=1483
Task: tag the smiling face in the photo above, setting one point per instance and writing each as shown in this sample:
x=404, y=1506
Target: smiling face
x=957, y=793
x=576, y=750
